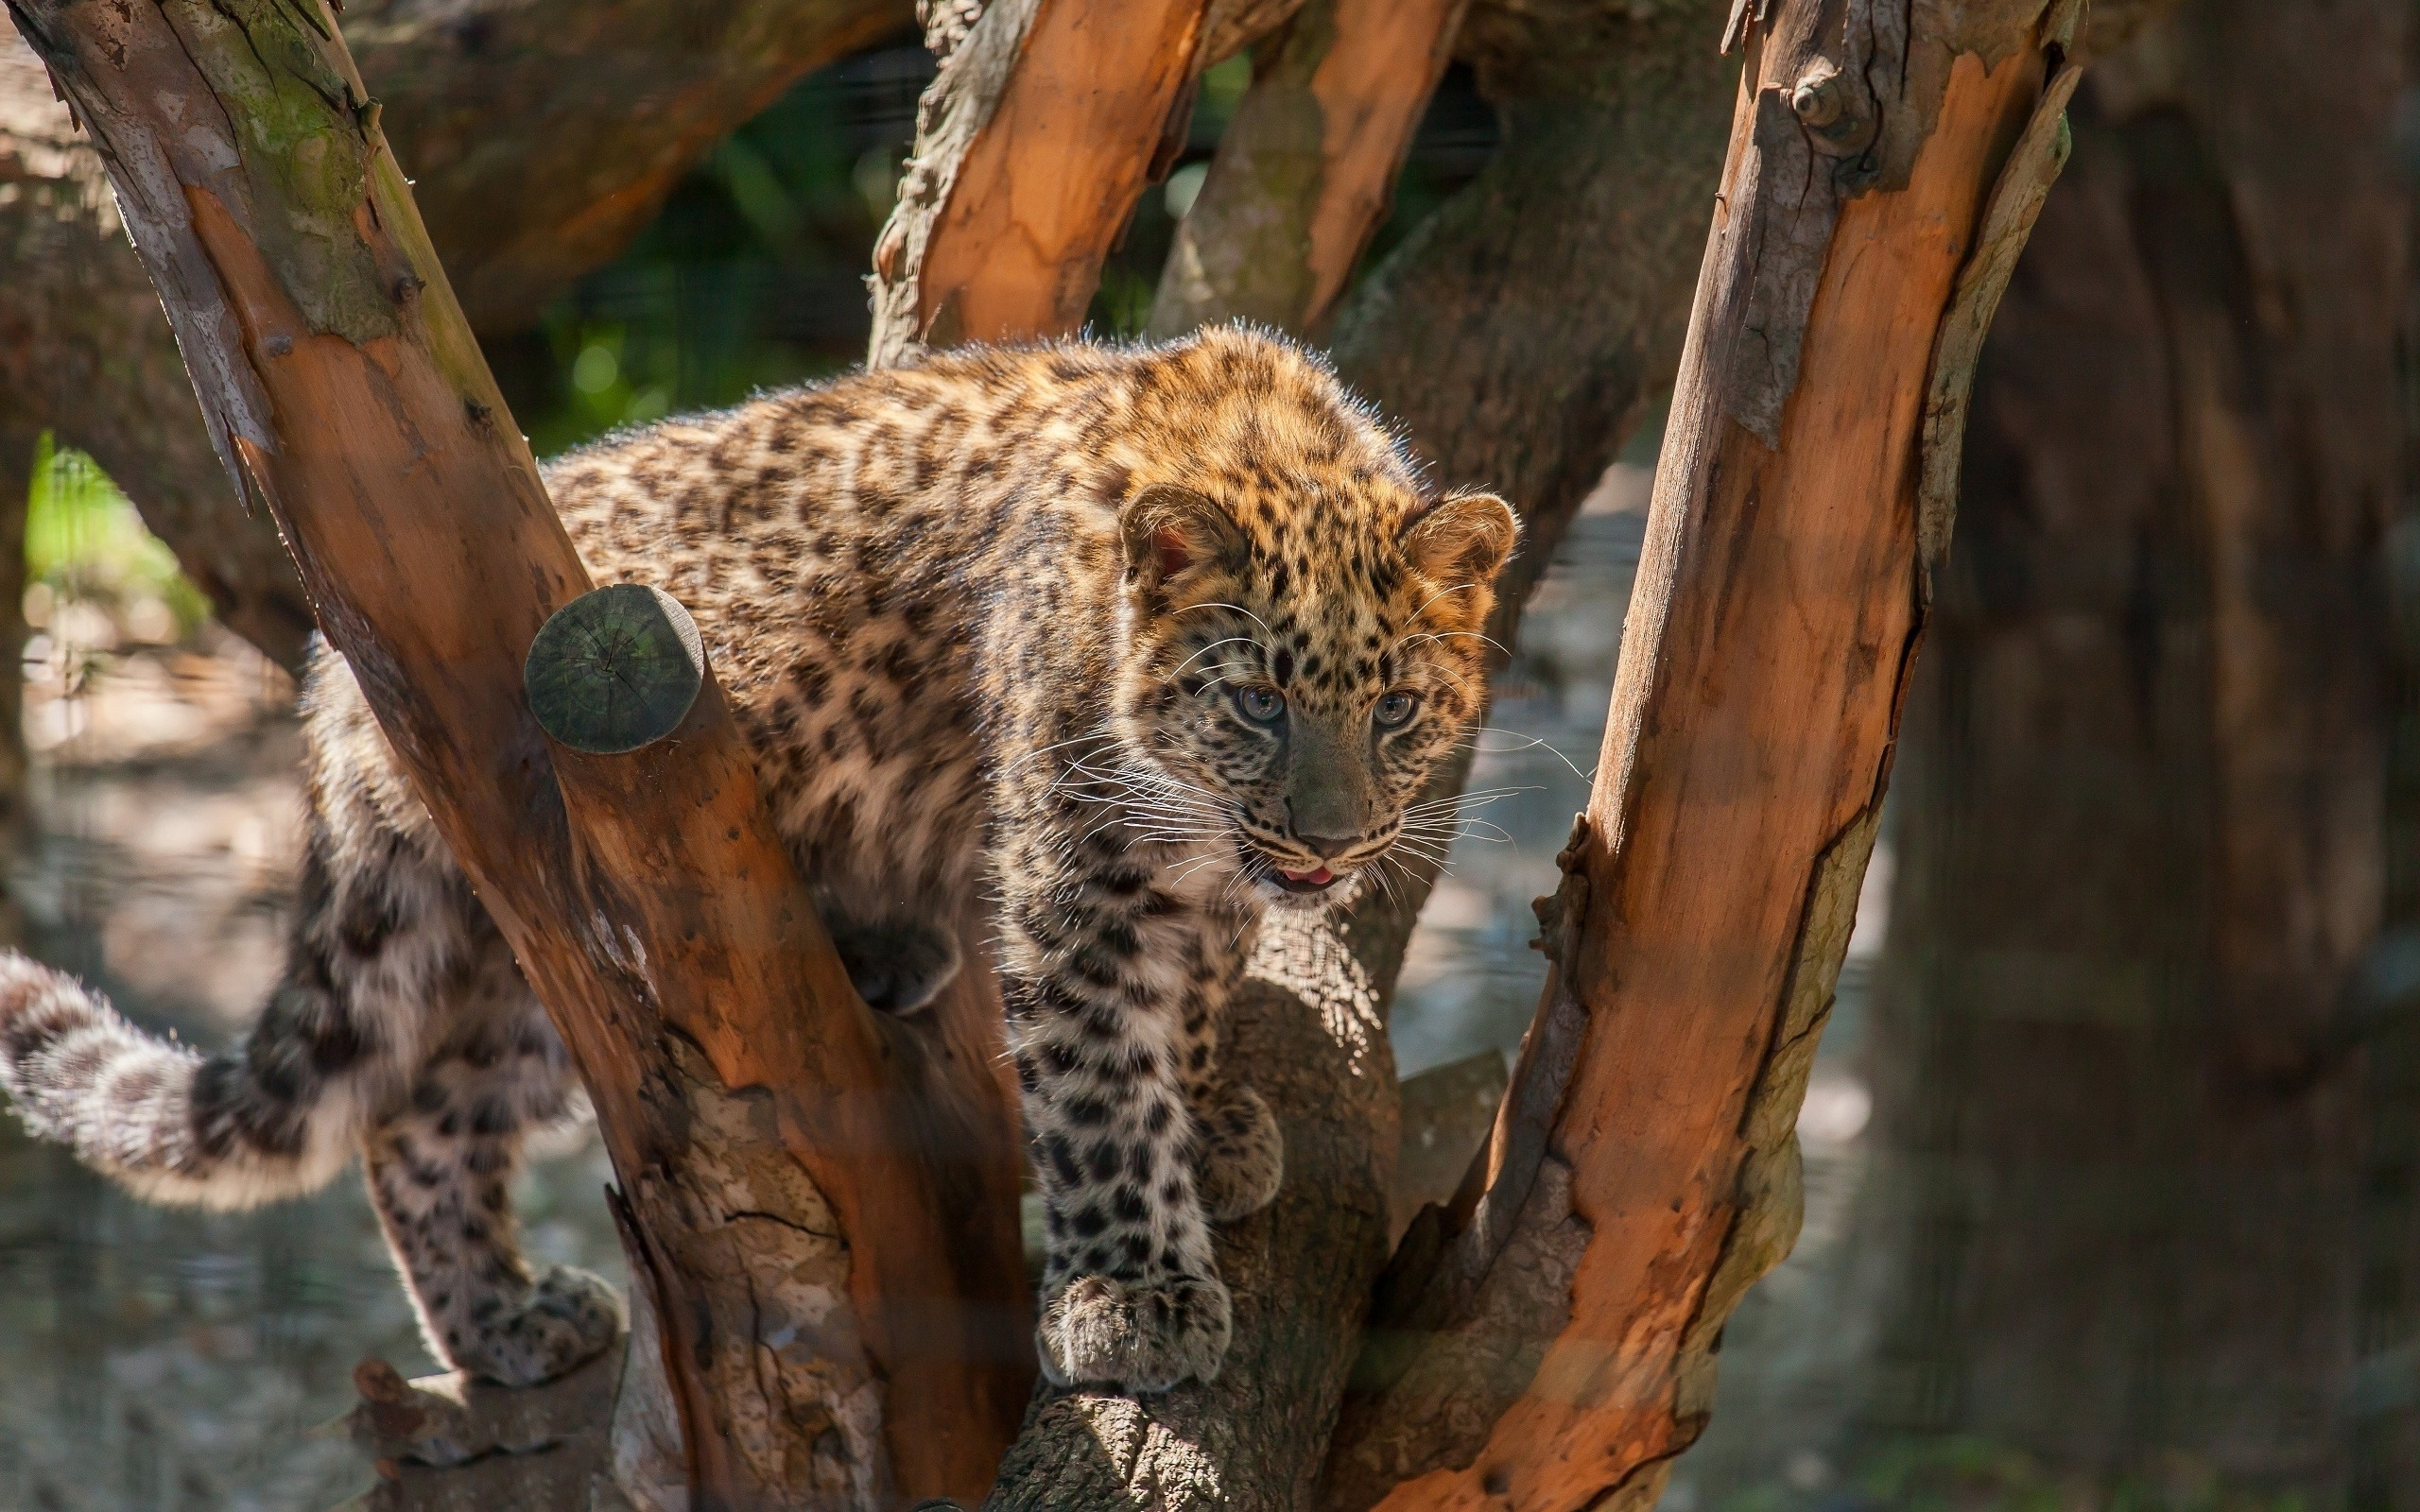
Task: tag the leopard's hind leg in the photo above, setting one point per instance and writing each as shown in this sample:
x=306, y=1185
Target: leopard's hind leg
x=439, y=1166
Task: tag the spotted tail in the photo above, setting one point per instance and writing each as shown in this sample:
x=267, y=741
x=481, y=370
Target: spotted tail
x=246, y=1126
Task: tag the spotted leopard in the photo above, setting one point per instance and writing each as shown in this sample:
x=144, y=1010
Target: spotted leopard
x=1121, y=645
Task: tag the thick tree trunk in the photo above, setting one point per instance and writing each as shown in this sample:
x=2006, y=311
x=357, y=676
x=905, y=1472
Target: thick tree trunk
x=2118, y=1132
x=1548, y=1341
x=820, y=1275
x=540, y=136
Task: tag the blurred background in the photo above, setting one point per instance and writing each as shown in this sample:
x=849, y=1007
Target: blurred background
x=2113, y=1151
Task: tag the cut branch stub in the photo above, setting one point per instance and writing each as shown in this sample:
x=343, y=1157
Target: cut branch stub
x=614, y=669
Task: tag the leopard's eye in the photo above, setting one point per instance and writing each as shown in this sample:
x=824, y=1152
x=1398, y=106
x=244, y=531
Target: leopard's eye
x=1394, y=711
x=1260, y=703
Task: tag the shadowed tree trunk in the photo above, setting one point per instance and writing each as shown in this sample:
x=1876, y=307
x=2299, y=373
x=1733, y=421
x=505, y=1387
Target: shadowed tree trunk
x=1308, y=166
x=2141, y=855
x=2386, y=1466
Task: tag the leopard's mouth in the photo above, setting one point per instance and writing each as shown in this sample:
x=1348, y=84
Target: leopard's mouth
x=1292, y=884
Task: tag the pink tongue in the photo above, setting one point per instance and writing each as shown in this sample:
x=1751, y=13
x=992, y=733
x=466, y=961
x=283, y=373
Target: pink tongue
x=1314, y=878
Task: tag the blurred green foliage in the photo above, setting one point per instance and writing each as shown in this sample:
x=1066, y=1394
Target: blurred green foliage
x=752, y=276
x=84, y=541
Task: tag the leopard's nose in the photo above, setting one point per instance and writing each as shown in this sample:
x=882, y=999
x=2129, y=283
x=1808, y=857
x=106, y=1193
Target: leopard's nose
x=1328, y=847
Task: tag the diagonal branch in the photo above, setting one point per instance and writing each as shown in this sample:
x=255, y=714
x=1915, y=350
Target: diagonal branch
x=734, y=1073
x=1644, y=1170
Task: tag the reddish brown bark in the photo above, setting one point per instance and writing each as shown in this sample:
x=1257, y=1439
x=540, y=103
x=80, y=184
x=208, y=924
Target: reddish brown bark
x=1554, y=1331
x=345, y=389
x=1032, y=148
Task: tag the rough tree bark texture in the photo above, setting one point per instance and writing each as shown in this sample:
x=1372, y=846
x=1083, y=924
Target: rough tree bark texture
x=1307, y=166
x=1547, y=1342
x=2141, y=856
x=540, y=136
x=820, y=1311
x=1031, y=147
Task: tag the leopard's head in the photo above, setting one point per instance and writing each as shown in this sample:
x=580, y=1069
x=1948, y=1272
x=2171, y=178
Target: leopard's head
x=1305, y=646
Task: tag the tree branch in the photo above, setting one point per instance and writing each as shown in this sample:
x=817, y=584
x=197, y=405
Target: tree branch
x=1307, y=166
x=517, y=119
x=1031, y=149
x=756, y=1117
x=1644, y=1170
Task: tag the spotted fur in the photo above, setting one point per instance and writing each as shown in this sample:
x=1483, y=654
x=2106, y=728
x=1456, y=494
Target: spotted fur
x=1125, y=646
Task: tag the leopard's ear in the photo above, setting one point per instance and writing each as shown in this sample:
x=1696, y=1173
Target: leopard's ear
x=1462, y=538
x=1169, y=531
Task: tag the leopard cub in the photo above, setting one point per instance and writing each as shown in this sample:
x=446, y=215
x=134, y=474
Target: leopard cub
x=1125, y=646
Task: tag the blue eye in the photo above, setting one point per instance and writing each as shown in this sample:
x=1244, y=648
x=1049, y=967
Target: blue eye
x=1394, y=711
x=1261, y=704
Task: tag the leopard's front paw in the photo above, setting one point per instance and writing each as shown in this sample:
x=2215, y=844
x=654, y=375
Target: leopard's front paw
x=1145, y=1338
x=566, y=1319
x=1242, y=1158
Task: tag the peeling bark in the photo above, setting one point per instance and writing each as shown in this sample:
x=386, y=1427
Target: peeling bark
x=757, y=1118
x=1032, y=148
x=1783, y=566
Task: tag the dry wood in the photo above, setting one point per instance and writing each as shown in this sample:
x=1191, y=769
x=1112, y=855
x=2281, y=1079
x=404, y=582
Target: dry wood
x=1308, y=166
x=1548, y=1341
x=757, y=1120
x=1031, y=149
